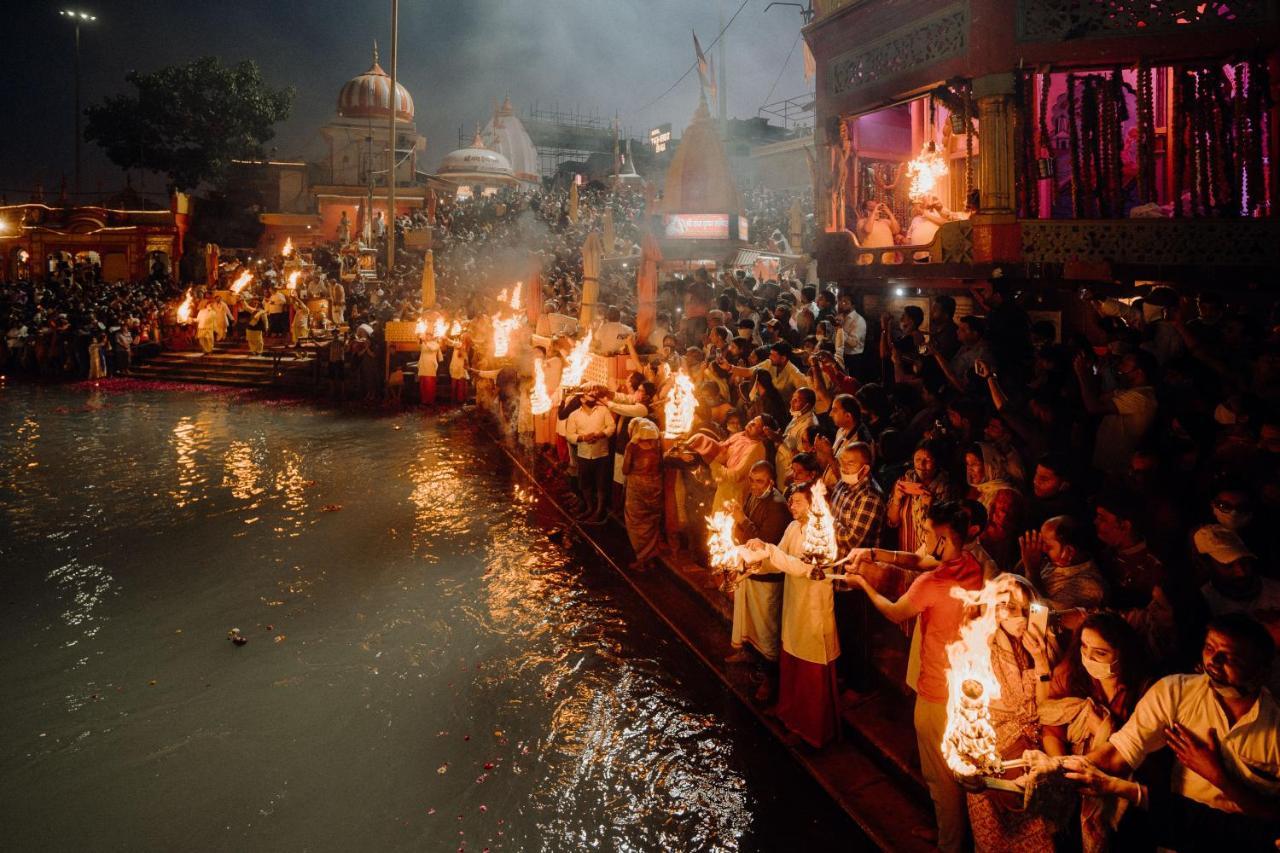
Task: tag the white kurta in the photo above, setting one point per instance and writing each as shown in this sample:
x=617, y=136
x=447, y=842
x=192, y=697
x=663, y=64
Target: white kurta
x=808, y=607
x=757, y=615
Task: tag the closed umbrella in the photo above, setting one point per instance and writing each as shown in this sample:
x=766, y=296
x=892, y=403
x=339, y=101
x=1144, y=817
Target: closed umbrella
x=429, y=281
x=573, y=203
x=647, y=286
x=590, y=279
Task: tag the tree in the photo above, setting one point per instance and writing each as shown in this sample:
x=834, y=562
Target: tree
x=189, y=121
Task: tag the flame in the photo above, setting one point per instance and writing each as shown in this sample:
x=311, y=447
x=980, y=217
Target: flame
x=502, y=329
x=969, y=740
x=241, y=281
x=721, y=548
x=819, y=528
x=455, y=329
x=184, y=310
x=515, y=296
x=293, y=279
x=288, y=247
x=680, y=406
x=576, y=364
x=502, y=296
x=925, y=171
x=539, y=399
x=440, y=327
x=420, y=328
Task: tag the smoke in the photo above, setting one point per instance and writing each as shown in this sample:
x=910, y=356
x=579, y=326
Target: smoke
x=455, y=58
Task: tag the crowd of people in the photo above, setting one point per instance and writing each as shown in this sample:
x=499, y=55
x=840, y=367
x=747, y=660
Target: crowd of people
x=1109, y=485
x=1114, y=484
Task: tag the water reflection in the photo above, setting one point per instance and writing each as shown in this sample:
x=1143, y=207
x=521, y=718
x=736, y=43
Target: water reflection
x=242, y=471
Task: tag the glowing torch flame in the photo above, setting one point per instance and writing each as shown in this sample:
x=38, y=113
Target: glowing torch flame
x=502, y=296
x=502, y=329
x=455, y=329
x=539, y=399
x=242, y=281
x=515, y=295
x=420, y=328
x=820, y=528
x=440, y=327
x=721, y=548
x=925, y=171
x=969, y=740
x=680, y=406
x=576, y=364
x=293, y=279
x=287, y=250
x=184, y=310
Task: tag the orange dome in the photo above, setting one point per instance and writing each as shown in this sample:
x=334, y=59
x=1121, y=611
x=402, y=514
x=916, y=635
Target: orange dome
x=369, y=95
x=699, y=179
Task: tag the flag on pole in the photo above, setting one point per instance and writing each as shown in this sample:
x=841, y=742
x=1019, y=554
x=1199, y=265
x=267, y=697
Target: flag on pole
x=706, y=71
x=810, y=64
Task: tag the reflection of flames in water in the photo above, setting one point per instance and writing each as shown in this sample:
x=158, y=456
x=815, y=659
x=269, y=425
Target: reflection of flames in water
x=575, y=366
x=242, y=471
x=680, y=406
x=502, y=329
x=539, y=399
x=819, y=528
x=722, y=549
x=969, y=741
x=241, y=281
x=184, y=310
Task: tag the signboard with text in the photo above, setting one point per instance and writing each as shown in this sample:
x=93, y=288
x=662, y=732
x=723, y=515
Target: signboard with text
x=660, y=138
x=696, y=226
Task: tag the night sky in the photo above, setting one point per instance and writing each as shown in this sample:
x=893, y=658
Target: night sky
x=456, y=57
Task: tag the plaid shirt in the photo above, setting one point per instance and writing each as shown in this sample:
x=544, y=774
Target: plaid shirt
x=859, y=514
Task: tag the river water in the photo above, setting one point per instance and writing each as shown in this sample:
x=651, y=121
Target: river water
x=428, y=667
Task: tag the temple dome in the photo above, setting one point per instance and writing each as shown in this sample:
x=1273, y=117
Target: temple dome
x=369, y=95
x=505, y=134
x=699, y=179
x=476, y=162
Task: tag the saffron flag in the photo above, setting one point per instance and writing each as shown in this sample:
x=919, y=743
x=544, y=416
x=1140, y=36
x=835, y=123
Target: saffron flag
x=706, y=73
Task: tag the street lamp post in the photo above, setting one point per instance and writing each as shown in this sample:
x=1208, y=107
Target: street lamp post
x=77, y=18
x=391, y=144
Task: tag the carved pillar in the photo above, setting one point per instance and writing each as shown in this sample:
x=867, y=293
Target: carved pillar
x=994, y=94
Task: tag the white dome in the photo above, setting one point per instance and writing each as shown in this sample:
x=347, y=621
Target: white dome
x=476, y=162
x=506, y=135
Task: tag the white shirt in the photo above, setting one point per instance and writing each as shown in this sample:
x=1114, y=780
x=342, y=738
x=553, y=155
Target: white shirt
x=612, y=337
x=851, y=336
x=1250, y=748
x=1120, y=432
x=582, y=421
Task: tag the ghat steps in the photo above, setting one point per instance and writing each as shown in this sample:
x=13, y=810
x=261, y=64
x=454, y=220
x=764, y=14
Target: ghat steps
x=231, y=363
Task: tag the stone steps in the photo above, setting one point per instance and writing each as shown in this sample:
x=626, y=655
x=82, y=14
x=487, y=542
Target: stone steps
x=229, y=364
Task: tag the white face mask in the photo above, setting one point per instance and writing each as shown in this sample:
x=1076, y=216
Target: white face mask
x=856, y=477
x=1099, y=670
x=1232, y=519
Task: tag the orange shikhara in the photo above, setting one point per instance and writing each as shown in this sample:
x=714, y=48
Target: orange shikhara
x=680, y=406
x=969, y=740
x=576, y=364
x=539, y=399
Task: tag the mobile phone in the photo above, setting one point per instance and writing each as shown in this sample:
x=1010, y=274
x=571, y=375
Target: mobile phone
x=1039, y=618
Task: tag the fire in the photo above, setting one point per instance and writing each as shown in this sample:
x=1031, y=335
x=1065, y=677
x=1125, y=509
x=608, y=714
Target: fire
x=576, y=364
x=420, y=328
x=720, y=545
x=502, y=296
x=184, y=310
x=969, y=741
x=288, y=247
x=515, y=296
x=820, y=528
x=680, y=406
x=925, y=171
x=502, y=329
x=455, y=329
x=539, y=399
x=440, y=327
x=293, y=279
x=242, y=281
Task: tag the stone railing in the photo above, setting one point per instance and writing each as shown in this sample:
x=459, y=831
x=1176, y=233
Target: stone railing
x=953, y=244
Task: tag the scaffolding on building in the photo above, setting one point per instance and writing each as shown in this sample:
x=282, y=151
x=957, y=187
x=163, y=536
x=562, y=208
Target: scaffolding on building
x=795, y=113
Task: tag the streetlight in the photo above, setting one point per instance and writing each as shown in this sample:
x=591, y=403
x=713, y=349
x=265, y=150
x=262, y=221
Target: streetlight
x=77, y=17
x=391, y=145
